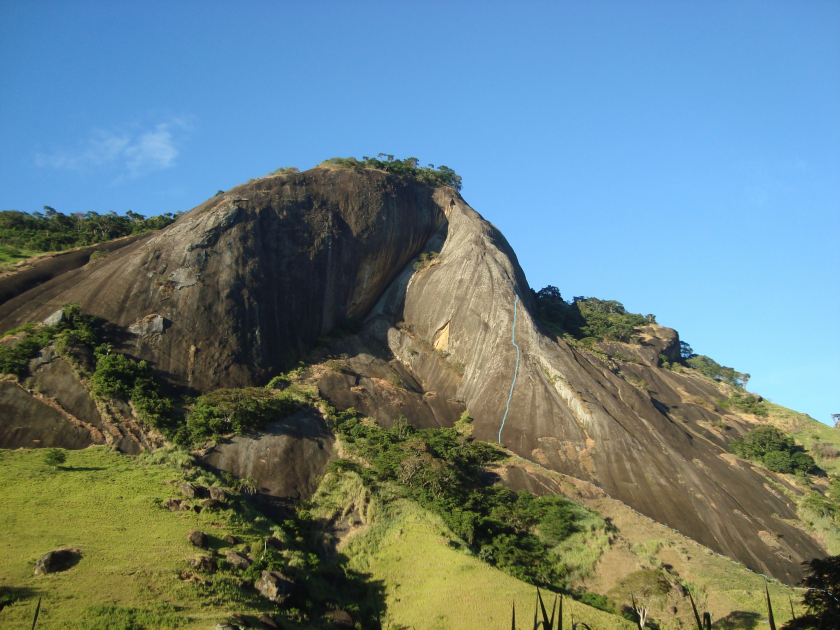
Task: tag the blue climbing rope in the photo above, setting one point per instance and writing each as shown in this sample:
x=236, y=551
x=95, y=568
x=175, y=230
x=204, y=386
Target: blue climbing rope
x=516, y=371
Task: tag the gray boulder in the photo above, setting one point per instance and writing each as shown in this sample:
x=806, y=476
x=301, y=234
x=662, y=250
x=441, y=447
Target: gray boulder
x=198, y=539
x=204, y=563
x=173, y=504
x=216, y=493
x=274, y=586
x=57, y=560
x=237, y=560
x=55, y=319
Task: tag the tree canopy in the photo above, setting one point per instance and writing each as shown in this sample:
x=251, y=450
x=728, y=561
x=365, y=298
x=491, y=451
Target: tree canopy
x=409, y=167
x=51, y=230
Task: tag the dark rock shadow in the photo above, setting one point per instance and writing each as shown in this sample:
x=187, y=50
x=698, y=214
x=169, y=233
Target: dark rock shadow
x=11, y=594
x=740, y=619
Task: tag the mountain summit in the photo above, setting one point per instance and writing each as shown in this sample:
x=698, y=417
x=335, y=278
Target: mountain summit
x=417, y=295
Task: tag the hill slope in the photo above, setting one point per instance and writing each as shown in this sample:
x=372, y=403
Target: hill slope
x=249, y=281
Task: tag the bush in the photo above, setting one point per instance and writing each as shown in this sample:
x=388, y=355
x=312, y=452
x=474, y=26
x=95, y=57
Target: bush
x=775, y=449
x=826, y=450
x=746, y=403
x=442, y=176
x=233, y=411
x=55, y=457
x=76, y=328
x=778, y=461
x=587, y=318
x=120, y=376
x=442, y=470
x=714, y=370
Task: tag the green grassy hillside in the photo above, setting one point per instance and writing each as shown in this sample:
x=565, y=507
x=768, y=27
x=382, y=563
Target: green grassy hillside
x=110, y=507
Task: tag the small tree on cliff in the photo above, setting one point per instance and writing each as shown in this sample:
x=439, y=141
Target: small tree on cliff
x=641, y=590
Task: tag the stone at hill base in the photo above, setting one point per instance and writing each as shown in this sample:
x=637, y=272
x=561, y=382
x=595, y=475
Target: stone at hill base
x=211, y=503
x=197, y=538
x=270, y=622
x=204, y=563
x=341, y=619
x=274, y=586
x=190, y=490
x=216, y=493
x=57, y=560
x=173, y=504
x=240, y=562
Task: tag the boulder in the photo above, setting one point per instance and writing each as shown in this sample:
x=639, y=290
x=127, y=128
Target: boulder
x=198, y=539
x=237, y=560
x=57, y=560
x=231, y=539
x=216, y=493
x=204, y=563
x=211, y=503
x=274, y=586
x=270, y=622
x=341, y=619
x=240, y=621
x=55, y=319
x=147, y=326
x=173, y=504
x=191, y=490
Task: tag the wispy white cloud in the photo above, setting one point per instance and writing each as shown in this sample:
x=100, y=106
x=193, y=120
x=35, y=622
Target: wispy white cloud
x=133, y=153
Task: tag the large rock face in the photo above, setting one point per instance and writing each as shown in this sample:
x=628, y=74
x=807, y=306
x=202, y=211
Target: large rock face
x=568, y=410
x=248, y=281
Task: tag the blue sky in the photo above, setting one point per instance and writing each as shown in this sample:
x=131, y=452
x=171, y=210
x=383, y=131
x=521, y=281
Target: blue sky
x=681, y=157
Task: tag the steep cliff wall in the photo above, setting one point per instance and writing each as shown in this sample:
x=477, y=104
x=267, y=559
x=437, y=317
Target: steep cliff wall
x=246, y=282
x=569, y=410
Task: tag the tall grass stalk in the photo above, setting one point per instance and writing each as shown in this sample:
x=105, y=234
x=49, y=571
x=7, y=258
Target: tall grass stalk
x=769, y=608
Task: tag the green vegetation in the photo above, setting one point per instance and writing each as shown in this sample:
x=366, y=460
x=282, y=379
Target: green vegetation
x=285, y=170
x=132, y=549
x=120, y=376
x=714, y=370
x=430, y=578
x=587, y=319
x=234, y=411
x=424, y=260
x=823, y=598
x=75, y=328
x=10, y=255
x=55, y=457
x=746, y=403
x=775, y=449
x=441, y=469
x=641, y=591
x=52, y=231
x=442, y=176
x=135, y=570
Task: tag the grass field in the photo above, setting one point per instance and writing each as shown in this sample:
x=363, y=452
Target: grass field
x=109, y=506
x=10, y=256
x=431, y=582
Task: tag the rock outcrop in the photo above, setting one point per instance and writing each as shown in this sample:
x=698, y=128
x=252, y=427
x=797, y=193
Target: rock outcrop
x=247, y=282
